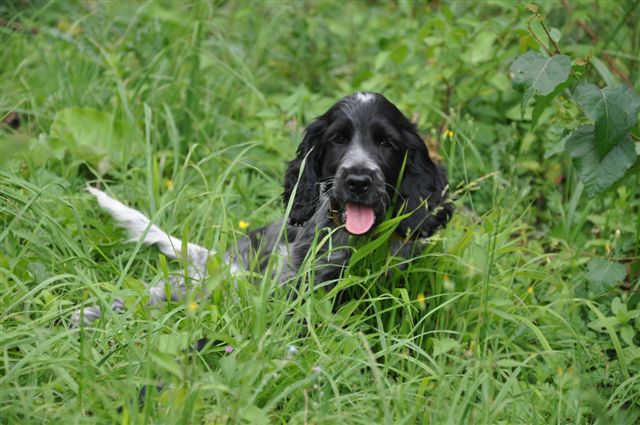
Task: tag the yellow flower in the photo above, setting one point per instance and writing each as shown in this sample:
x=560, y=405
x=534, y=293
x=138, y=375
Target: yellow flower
x=72, y=29
x=530, y=290
x=243, y=225
x=449, y=134
x=447, y=284
x=471, y=349
x=168, y=183
x=192, y=306
x=421, y=300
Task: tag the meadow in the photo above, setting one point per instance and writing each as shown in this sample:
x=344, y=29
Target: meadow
x=524, y=310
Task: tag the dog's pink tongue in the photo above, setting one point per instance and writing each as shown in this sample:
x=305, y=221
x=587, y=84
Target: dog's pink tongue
x=359, y=218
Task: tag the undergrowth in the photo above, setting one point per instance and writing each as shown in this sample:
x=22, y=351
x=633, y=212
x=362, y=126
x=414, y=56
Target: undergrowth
x=523, y=310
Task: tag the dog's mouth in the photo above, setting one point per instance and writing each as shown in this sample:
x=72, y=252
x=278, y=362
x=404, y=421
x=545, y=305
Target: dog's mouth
x=358, y=218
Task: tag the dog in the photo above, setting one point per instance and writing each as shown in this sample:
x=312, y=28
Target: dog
x=359, y=163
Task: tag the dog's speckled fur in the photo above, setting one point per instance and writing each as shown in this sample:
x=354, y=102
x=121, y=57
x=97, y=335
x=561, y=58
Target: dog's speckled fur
x=362, y=134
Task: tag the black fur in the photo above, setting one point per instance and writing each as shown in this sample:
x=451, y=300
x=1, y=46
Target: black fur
x=350, y=159
x=307, y=191
x=362, y=138
x=423, y=189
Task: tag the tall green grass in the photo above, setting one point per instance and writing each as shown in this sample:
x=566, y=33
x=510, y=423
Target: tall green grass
x=487, y=324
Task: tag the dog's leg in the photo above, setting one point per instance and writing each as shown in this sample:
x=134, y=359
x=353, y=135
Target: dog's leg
x=88, y=315
x=140, y=227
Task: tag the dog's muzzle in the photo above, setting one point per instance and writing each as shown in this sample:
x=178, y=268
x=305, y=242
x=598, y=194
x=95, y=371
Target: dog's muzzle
x=358, y=200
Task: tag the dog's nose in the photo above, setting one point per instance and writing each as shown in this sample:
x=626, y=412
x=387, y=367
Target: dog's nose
x=358, y=183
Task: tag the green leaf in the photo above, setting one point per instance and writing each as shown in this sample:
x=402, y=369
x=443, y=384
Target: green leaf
x=597, y=174
x=614, y=110
x=229, y=367
x=604, y=72
x=627, y=333
x=482, y=49
x=400, y=53
x=557, y=148
x=168, y=363
x=537, y=75
x=601, y=325
x=173, y=343
x=510, y=363
x=617, y=307
x=381, y=59
x=94, y=136
x=605, y=274
x=444, y=345
x=254, y=415
x=631, y=353
x=544, y=101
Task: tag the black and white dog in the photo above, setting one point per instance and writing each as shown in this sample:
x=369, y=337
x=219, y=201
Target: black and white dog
x=359, y=163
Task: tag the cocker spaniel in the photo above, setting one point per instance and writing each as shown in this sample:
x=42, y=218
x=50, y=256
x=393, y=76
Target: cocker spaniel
x=359, y=163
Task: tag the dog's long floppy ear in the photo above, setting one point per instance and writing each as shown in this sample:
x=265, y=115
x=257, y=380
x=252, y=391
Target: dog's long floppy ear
x=308, y=190
x=424, y=189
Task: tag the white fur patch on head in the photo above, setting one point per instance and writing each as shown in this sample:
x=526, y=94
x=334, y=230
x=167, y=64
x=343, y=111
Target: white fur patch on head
x=353, y=104
x=365, y=97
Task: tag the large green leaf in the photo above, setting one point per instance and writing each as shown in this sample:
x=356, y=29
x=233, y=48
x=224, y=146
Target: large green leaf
x=599, y=174
x=444, y=345
x=614, y=110
x=537, y=75
x=543, y=102
x=603, y=274
x=167, y=362
x=482, y=48
x=94, y=136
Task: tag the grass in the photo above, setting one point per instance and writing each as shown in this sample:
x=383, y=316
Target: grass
x=189, y=112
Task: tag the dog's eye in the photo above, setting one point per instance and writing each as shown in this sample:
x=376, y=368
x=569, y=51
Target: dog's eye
x=339, y=139
x=386, y=143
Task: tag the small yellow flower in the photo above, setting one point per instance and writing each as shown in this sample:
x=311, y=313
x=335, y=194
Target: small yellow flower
x=72, y=29
x=447, y=283
x=168, y=183
x=449, y=134
x=421, y=300
x=243, y=225
x=471, y=349
x=530, y=290
x=192, y=306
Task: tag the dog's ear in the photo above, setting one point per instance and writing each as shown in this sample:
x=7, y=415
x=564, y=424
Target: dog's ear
x=308, y=190
x=424, y=191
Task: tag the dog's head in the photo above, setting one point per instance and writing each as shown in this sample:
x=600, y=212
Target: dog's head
x=355, y=154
